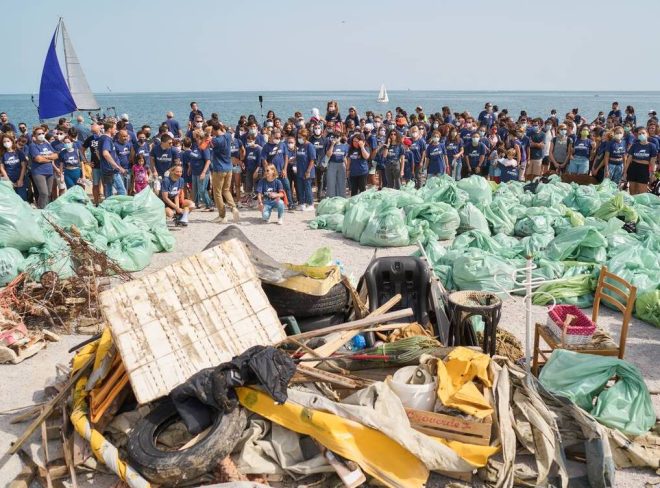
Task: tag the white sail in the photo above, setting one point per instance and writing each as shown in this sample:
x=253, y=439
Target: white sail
x=382, y=95
x=75, y=77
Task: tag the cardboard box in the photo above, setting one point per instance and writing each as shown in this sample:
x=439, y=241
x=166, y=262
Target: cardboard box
x=449, y=427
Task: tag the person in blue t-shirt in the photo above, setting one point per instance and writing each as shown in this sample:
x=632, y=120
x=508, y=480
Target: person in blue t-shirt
x=69, y=163
x=358, y=164
x=486, y=117
x=252, y=166
x=163, y=156
x=274, y=152
x=13, y=165
x=320, y=144
x=221, y=167
x=536, y=145
x=238, y=165
x=581, y=151
x=475, y=154
x=199, y=164
x=435, y=157
x=305, y=169
x=614, y=158
x=172, y=190
x=42, y=157
x=336, y=153
x=417, y=149
x=455, y=151
x=125, y=153
x=394, y=159
x=110, y=166
x=173, y=125
x=640, y=163
x=270, y=194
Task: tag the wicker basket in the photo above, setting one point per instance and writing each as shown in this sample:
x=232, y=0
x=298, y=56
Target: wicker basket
x=579, y=332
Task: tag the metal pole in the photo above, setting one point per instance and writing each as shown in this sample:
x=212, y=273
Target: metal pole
x=528, y=314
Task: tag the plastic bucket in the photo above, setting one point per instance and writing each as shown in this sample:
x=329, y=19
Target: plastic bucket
x=419, y=397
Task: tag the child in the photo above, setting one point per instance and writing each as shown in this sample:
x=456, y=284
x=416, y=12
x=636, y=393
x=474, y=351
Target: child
x=270, y=194
x=252, y=167
x=140, y=174
x=494, y=170
x=409, y=167
x=171, y=192
x=509, y=165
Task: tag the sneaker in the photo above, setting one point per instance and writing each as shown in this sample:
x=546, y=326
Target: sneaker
x=280, y=221
x=302, y=207
x=310, y=208
x=235, y=214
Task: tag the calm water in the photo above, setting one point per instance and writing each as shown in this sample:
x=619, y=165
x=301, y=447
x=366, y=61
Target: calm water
x=151, y=107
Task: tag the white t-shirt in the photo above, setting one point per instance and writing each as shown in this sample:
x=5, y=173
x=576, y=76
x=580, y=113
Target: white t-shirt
x=547, y=141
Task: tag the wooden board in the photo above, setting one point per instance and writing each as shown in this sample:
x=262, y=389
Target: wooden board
x=194, y=314
x=449, y=427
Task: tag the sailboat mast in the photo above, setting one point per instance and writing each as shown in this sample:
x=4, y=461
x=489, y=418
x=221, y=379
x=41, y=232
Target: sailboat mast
x=66, y=55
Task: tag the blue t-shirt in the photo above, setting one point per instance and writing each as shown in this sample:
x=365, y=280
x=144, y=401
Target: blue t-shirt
x=69, y=158
x=265, y=187
x=41, y=149
x=617, y=149
x=274, y=154
x=582, y=148
x=173, y=127
x=107, y=144
x=252, y=157
x=474, y=153
x=643, y=152
x=221, y=153
x=465, y=135
x=124, y=154
x=12, y=161
x=417, y=149
x=486, y=118
x=394, y=153
x=197, y=158
x=359, y=165
x=236, y=145
x=172, y=187
x=536, y=152
x=339, y=152
x=163, y=158
x=436, y=156
x=453, y=148
x=320, y=146
x=305, y=154
x=144, y=150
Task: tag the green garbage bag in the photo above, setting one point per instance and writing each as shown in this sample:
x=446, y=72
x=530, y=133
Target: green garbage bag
x=162, y=238
x=550, y=195
x=616, y=207
x=327, y=221
x=479, y=240
x=647, y=200
x=11, y=264
x=648, y=223
x=145, y=207
x=19, y=225
x=575, y=218
x=356, y=219
x=647, y=307
x=71, y=209
x=638, y=266
x=112, y=227
x=575, y=290
x=512, y=243
x=579, y=244
x=387, y=228
x=443, y=219
x=330, y=206
x=582, y=378
x=477, y=188
x=131, y=253
x=119, y=204
x=95, y=239
x=472, y=218
x=498, y=216
x=54, y=255
x=479, y=270
x=532, y=245
x=620, y=242
x=536, y=224
x=445, y=192
x=583, y=199
x=420, y=231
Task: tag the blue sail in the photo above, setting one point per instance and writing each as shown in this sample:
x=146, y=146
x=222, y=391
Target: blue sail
x=54, y=95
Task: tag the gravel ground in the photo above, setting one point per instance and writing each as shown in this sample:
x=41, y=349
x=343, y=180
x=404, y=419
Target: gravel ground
x=294, y=242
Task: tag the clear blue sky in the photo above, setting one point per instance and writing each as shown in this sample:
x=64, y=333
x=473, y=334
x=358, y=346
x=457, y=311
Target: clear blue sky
x=205, y=45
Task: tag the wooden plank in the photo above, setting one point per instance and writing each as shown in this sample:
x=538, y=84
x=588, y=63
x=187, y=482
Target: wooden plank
x=449, y=427
x=50, y=406
x=327, y=377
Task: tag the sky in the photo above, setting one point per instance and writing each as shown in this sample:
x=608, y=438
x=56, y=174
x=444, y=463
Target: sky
x=204, y=45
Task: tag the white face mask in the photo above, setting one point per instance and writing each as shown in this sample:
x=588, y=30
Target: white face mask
x=199, y=125
x=68, y=145
x=618, y=137
x=301, y=140
x=317, y=131
x=252, y=132
x=377, y=124
x=7, y=144
x=563, y=132
x=291, y=146
x=60, y=137
x=41, y=138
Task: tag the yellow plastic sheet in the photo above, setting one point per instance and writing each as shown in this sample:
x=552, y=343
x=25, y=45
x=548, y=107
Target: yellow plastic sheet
x=456, y=387
x=377, y=454
x=472, y=453
x=314, y=280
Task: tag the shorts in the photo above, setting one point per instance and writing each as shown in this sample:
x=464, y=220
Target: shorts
x=236, y=169
x=579, y=165
x=637, y=173
x=534, y=167
x=97, y=175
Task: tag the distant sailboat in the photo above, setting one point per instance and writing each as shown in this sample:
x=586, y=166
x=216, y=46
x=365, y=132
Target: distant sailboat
x=382, y=95
x=59, y=95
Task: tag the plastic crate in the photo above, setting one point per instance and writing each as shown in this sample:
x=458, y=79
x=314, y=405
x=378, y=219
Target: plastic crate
x=579, y=332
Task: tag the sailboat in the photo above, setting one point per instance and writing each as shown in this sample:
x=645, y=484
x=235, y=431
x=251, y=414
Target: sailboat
x=382, y=95
x=59, y=95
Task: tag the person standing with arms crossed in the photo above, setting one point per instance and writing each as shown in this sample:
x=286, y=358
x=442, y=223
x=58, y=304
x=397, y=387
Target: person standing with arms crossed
x=221, y=173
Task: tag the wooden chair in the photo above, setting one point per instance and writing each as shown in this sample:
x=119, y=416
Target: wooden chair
x=626, y=291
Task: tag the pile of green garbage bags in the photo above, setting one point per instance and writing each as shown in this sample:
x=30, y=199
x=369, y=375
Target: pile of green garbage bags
x=569, y=231
x=128, y=229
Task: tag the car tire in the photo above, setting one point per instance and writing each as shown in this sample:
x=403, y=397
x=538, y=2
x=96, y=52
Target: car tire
x=301, y=305
x=175, y=468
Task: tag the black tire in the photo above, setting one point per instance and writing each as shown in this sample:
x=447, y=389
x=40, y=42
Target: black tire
x=175, y=468
x=301, y=305
x=315, y=323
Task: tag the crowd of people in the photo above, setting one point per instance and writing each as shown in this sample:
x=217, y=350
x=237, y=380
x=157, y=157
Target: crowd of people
x=276, y=163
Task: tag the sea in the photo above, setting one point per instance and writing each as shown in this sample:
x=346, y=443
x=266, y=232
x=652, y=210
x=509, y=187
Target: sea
x=150, y=108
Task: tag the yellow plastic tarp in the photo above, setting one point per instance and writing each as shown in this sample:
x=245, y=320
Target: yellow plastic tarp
x=314, y=280
x=377, y=454
x=456, y=387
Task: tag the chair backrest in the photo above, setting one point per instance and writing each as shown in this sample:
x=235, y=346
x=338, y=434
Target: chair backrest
x=616, y=287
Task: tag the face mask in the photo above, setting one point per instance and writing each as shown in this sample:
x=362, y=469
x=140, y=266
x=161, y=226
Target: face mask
x=276, y=141
x=563, y=132
x=60, y=137
x=435, y=140
x=291, y=145
x=7, y=144
x=524, y=126
x=252, y=132
x=436, y=125
x=584, y=133
x=317, y=131
x=475, y=141
x=300, y=124
x=626, y=129
x=269, y=124
x=415, y=135
x=68, y=145
x=199, y=125
x=176, y=149
x=548, y=126
x=377, y=124
x=642, y=138
x=241, y=132
x=41, y=138
x=482, y=133
x=301, y=140
x=618, y=136
x=381, y=134
x=330, y=131
x=536, y=128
